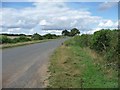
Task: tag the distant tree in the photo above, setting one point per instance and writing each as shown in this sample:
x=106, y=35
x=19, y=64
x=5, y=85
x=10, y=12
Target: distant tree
x=65, y=33
x=36, y=36
x=74, y=32
x=49, y=36
x=22, y=35
x=54, y=36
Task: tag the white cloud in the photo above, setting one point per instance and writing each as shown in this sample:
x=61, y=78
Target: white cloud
x=108, y=24
x=94, y=30
x=107, y=5
x=49, y=16
x=58, y=32
x=13, y=30
x=44, y=22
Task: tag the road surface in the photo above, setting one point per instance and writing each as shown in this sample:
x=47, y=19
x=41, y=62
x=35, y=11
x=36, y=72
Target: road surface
x=25, y=66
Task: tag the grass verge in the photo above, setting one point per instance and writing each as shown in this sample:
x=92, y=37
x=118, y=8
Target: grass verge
x=3, y=46
x=75, y=67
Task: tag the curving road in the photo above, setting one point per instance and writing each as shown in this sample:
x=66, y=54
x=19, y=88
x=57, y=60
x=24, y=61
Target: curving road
x=25, y=66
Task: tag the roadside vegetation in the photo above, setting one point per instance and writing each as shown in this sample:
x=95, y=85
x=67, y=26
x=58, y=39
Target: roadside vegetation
x=87, y=61
x=12, y=40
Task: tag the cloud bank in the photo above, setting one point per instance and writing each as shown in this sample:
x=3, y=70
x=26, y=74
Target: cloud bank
x=51, y=17
x=107, y=5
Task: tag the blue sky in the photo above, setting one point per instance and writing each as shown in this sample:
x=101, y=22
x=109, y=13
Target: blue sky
x=93, y=7
x=17, y=5
x=23, y=14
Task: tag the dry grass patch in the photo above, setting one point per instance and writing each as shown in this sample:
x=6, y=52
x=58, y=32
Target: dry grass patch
x=64, y=69
x=76, y=67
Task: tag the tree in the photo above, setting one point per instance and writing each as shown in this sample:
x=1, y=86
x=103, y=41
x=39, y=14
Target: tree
x=65, y=33
x=36, y=36
x=74, y=32
x=49, y=36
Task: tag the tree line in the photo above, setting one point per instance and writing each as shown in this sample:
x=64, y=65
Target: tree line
x=14, y=34
x=4, y=39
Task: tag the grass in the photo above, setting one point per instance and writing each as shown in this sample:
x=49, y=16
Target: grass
x=75, y=67
x=3, y=46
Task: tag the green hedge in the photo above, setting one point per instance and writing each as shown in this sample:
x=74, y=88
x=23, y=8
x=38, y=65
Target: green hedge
x=4, y=39
x=104, y=42
x=23, y=38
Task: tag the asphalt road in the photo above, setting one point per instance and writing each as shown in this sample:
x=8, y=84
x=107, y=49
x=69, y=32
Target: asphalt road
x=24, y=66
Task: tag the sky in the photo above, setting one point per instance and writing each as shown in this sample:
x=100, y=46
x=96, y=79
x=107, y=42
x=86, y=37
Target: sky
x=53, y=17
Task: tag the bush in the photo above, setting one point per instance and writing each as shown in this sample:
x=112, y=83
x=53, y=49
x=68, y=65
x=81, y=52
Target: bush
x=15, y=40
x=36, y=36
x=70, y=42
x=101, y=40
x=85, y=40
x=112, y=52
x=82, y=41
x=4, y=39
x=50, y=36
x=21, y=39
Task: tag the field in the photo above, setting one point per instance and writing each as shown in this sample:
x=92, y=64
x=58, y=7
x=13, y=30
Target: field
x=22, y=43
x=12, y=40
x=12, y=37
